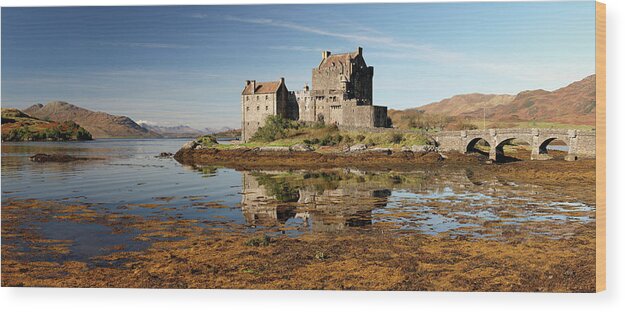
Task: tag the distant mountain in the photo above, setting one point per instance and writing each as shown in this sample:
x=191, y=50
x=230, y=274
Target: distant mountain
x=217, y=130
x=18, y=126
x=573, y=104
x=181, y=131
x=99, y=124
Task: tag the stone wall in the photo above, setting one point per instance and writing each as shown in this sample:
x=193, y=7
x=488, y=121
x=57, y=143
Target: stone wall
x=580, y=143
x=255, y=108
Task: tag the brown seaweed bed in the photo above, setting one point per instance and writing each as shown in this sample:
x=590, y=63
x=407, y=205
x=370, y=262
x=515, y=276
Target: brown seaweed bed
x=172, y=252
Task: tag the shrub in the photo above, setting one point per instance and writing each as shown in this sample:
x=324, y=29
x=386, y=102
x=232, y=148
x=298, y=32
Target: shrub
x=331, y=140
x=275, y=128
x=83, y=134
x=207, y=140
x=395, y=137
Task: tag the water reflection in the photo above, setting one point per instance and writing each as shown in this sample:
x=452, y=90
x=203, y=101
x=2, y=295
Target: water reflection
x=430, y=202
x=130, y=181
x=322, y=201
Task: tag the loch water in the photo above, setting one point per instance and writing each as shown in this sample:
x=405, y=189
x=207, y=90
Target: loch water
x=126, y=177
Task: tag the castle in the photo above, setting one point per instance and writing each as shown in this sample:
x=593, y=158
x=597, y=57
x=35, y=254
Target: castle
x=341, y=94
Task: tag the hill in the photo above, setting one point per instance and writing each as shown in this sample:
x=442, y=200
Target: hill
x=573, y=104
x=18, y=126
x=180, y=131
x=99, y=124
x=466, y=103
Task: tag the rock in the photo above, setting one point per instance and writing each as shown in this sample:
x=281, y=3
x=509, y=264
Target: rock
x=406, y=149
x=53, y=158
x=423, y=148
x=382, y=150
x=164, y=155
x=301, y=148
x=570, y=157
x=419, y=148
x=357, y=148
x=274, y=149
x=199, y=147
x=189, y=145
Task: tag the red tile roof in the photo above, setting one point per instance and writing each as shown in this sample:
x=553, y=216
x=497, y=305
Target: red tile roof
x=262, y=87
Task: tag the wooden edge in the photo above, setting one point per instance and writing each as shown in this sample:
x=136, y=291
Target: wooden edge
x=600, y=70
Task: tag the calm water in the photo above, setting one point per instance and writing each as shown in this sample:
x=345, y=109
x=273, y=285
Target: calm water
x=127, y=178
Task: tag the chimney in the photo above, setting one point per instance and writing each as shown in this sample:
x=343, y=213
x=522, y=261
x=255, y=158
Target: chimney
x=247, y=82
x=359, y=50
x=253, y=82
x=325, y=54
x=281, y=80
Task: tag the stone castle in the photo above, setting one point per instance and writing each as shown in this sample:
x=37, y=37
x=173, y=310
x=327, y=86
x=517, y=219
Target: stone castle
x=341, y=94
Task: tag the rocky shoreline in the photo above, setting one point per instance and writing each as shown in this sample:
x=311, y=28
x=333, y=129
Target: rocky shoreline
x=279, y=157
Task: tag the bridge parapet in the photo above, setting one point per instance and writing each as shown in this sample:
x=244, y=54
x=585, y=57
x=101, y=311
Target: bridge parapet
x=580, y=143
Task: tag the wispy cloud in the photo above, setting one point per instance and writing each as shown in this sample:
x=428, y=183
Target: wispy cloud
x=303, y=48
x=146, y=45
x=422, y=50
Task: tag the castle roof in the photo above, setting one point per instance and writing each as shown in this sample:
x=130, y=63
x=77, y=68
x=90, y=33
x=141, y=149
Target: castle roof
x=341, y=58
x=262, y=87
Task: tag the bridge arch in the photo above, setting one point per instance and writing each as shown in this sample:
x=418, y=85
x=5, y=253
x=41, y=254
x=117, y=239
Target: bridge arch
x=472, y=144
x=543, y=150
x=499, y=148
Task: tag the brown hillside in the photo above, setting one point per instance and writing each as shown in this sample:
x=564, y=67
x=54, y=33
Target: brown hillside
x=466, y=103
x=99, y=124
x=573, y=104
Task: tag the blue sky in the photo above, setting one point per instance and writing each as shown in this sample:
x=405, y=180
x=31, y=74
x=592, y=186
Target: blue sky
x=187, y=64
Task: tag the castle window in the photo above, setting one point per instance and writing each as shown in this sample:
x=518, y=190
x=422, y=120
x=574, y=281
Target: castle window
x=266, y=108
x=247, y=108
x=247, y=98
x=257, y=108
x=266, y=97
x=257, y=97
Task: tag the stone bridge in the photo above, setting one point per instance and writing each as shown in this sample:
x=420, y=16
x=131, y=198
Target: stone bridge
x=580, y=143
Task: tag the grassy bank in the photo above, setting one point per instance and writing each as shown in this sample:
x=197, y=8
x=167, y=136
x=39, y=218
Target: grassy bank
x=278, y=131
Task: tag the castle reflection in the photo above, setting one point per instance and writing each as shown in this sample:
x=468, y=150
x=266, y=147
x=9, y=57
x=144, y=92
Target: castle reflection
x=324, y=202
